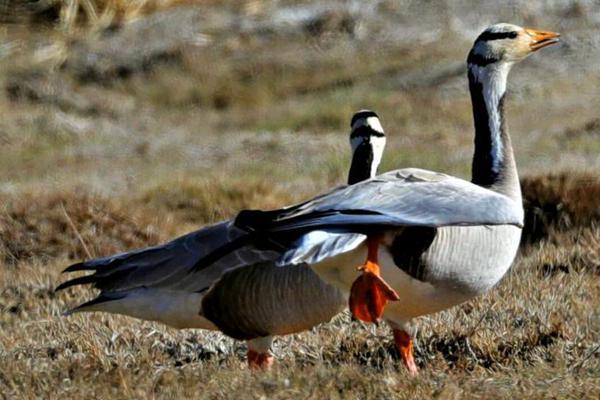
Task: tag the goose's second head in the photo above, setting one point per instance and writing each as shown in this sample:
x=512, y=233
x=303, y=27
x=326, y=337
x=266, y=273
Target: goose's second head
x=368, y=142
x=506, y=44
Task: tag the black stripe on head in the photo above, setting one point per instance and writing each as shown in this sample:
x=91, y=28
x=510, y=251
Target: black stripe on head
x=487, y=36
x=479, y=60
x=362, y=114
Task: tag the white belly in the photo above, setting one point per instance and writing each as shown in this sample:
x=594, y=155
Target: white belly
x=171, y=307
x=461, y=263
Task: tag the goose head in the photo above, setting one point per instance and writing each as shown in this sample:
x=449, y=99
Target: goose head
x=506, y=44
x=367, y=140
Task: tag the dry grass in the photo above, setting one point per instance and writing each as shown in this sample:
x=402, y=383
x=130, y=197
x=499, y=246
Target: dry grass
x=211, y=201
x=69, y=15
x=534, y=335
x=42, y=228
x=559, y=202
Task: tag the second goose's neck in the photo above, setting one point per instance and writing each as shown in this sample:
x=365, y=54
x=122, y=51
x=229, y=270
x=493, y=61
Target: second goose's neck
x=366, y=156
x=494, y=165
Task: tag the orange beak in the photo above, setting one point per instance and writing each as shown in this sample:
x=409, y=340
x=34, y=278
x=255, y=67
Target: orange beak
x=541, y=38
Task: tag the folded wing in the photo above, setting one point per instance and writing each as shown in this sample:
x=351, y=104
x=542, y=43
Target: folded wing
x=406, y=197
x=401, y=198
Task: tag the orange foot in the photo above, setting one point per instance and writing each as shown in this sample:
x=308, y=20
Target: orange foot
x=259, y=361
x=404, y=344
x=370, y=293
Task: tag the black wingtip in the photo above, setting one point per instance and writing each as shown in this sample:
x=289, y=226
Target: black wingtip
x=80, y=266
x=82, y=280
x=60, y=287
x=102, y=298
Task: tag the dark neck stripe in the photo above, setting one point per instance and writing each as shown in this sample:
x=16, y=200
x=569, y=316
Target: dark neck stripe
x=365, y=131
x=479, y=60
x=488, y=162
x=362, y=162
x=362, y=114
x=487, y=36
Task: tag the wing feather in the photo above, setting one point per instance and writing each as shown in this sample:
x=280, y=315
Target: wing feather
x=406, y=197
x=172, y=265
x=335, y=222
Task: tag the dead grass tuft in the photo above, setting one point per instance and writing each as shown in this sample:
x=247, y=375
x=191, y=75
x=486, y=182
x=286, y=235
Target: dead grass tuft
x=70, y=14
x=577, y=250
x=202, y=202
x=591, y=127
x=43, y=227
x=558, y=202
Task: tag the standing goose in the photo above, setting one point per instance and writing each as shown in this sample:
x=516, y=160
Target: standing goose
x=431, y=241
x=252, y=303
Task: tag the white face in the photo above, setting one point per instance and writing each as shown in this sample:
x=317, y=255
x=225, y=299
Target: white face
x=502, y=42
x=507, y=43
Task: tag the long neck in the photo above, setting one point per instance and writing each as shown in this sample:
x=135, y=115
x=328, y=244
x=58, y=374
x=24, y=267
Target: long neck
x=494, y=164
x=365, y=159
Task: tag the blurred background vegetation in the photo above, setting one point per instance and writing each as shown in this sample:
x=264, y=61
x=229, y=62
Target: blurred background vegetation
x=203, y=107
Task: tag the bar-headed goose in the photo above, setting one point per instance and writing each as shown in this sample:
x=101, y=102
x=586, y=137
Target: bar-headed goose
x=430, y=240
x=252, y=303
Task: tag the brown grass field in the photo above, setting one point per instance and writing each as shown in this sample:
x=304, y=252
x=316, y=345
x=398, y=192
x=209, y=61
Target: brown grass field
x=123, y=125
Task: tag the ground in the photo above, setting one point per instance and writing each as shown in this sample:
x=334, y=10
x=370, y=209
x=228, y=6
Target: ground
x=121, y=130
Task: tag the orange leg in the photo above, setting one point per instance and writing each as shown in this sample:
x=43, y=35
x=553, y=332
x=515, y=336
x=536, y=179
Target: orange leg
x=259, y=361
x=404, y=344
x=370, y=293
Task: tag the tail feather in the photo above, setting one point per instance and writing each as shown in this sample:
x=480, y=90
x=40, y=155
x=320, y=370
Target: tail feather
x=179, y=264
x=80, y=266
x=110, y=263
x=82, y=280
x=102, y=282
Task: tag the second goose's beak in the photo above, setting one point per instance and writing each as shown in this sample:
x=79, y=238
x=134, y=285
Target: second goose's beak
x=541, y=39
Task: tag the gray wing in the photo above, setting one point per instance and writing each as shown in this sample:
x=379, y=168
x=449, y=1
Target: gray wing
x=172, y=265
x=340, y=220
x=406, y=197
